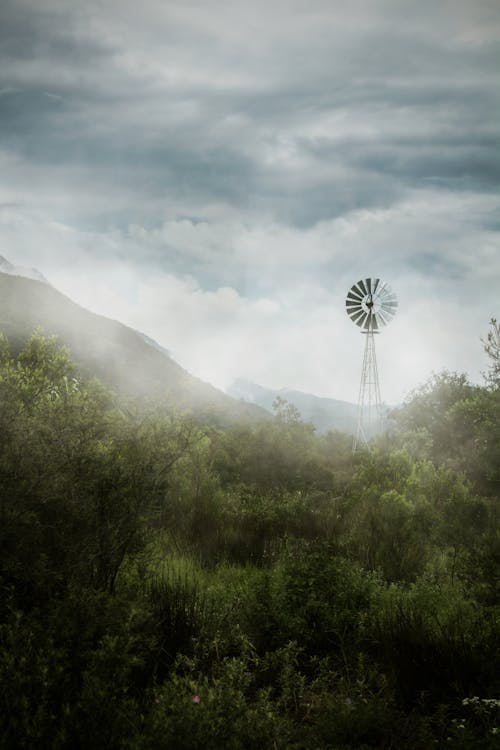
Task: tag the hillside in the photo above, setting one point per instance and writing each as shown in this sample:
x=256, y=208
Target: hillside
x=324, y=413
x=122, y=358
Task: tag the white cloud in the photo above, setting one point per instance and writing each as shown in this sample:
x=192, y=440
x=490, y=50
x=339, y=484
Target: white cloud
x=276, y=314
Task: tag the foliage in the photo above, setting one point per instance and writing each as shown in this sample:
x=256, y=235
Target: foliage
x=492, y=349
x=172, y=584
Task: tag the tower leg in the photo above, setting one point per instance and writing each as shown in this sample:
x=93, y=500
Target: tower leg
x=369, y=418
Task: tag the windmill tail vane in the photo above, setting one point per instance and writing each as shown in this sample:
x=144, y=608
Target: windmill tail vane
x=371, y=304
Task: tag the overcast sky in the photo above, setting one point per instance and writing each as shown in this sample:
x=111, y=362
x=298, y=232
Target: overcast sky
x=218, y=174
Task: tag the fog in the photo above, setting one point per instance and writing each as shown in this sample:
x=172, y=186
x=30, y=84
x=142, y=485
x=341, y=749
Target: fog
x=218, y=178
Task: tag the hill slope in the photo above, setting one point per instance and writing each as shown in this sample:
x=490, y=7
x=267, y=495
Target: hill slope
x=119, y=356
x=324, y=413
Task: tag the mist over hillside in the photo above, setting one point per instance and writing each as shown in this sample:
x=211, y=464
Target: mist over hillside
x=324, y=413
x=134, y=364
x=124, y=359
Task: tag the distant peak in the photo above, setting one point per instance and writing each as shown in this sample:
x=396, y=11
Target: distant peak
x=28, y=273
x=5, y=266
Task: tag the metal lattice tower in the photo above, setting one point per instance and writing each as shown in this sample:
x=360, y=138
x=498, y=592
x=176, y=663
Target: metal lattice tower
x=370, y=304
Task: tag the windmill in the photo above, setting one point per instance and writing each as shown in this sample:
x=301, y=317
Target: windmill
x=371, y=304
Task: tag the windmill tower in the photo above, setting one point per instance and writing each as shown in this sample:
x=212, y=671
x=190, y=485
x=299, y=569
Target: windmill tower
x=371, y=304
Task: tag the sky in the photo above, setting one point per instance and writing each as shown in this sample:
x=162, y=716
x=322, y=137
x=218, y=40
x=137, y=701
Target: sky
x=217, y=174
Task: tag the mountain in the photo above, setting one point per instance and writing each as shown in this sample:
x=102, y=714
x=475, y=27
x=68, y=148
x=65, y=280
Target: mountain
x=28, y=273
x=324, y=413
x=126, y=360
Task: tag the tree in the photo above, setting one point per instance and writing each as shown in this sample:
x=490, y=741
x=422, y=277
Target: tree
x=286, y=412
x=426, y=417
x=81, y=476
x=492, y=349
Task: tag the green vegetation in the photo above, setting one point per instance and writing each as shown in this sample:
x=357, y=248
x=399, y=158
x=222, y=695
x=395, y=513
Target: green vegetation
x=172, y=584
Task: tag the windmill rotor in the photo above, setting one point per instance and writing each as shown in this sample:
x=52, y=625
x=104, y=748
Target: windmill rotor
x=371, y=304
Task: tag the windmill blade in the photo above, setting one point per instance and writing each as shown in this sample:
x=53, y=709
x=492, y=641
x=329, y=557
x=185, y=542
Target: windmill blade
x=353, y=303
x=351, y=311
x=382, y=290
x=390, y=301
x=354, y=312
x=389, y=314
x=392, y=306
x=356, y=316
x=356, y=289
x=362, y=320
x=355, y=293
x=368, y=283
x=382, y=318
x=359, y=318
x=374, y=322
x=375, y=285
x=362, y=286
x=352, y=298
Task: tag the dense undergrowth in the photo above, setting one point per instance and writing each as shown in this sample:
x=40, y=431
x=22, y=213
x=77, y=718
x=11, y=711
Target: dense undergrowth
x=171, y=585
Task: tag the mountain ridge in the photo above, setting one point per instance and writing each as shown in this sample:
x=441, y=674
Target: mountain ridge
x=27, y=273
x=324, y=413
x=121, y=357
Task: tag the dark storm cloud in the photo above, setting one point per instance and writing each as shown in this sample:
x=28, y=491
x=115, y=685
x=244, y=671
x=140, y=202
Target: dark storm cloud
x=302, y=124
x=451, y=162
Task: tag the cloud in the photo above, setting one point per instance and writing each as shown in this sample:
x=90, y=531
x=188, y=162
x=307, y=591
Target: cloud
x=218, y=175
x=296, y=115
x=267, y=302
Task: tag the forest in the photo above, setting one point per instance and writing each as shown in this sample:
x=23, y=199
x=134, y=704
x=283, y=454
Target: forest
x=172, y=583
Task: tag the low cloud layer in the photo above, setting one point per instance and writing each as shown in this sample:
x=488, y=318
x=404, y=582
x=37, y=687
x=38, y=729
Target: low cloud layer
x=218, y=176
